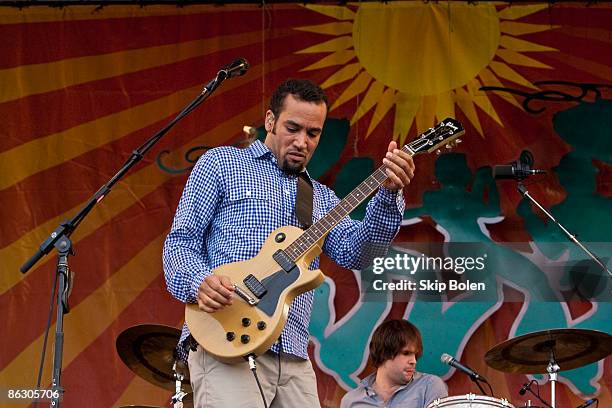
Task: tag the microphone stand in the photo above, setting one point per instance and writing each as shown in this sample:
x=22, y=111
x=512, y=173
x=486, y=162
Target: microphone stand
x=537, y=396
x=60, y=237
x=523, y=190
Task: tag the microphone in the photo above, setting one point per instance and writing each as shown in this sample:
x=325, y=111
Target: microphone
x=451, y=361
x=524, y=388
x=236, y=68
x=587, y=403
x=517, y=171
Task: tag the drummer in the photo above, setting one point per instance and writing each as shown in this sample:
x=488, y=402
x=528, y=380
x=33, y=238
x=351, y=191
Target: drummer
x=395, y=348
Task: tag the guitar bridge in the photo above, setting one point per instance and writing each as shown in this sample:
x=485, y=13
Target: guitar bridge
x=245, y=296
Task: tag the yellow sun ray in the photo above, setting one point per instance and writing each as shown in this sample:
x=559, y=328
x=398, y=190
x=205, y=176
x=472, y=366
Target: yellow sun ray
x=502, y=70
x=56, y=75
x=426, y=113
x=372, y=95
x=482, y=100
x=335, y=44
x=515, y=12
x=131, y=190
x=337, y=12
x=406, y=107
x=385, y=103
x=516, y=58
x=445, y=106
x=488, y=78
x=329, y=28
x=466, y=104
x=337, y=58
x=516, y=44
x=136, y=274
x=344, y=74
x=356, y=87
x=514, y=28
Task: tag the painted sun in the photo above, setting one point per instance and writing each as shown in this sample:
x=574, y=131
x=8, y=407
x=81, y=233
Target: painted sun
x=424, y=60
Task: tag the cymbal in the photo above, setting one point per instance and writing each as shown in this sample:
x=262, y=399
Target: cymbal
x=148, y=350
x=530, y=353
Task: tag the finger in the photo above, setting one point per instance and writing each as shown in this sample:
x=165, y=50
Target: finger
x=227, y=283
x=208, y=292
x=208, y=305
x=392, y=146
x=393, y=182
x=397, y=171
x=221, y=285
x=405, y=163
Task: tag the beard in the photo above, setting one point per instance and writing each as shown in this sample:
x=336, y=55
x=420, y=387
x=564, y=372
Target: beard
x=291, y=168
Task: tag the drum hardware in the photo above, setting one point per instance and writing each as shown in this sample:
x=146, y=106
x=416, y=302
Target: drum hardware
x=549, y=352
x=527, y=387
x=470, y=401
x=149, y=350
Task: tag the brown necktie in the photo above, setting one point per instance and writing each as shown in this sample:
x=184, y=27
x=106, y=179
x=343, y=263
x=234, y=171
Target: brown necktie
x=303, y=200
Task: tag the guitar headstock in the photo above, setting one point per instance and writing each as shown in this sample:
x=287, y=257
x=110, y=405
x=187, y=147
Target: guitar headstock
x=445, y=134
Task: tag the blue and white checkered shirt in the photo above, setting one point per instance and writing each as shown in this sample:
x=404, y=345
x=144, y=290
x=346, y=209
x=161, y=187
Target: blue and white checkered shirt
x=233, y=199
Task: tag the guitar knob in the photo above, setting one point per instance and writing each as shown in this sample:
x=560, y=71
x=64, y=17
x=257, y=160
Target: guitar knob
x=245, y=338
x=230, y=336
x=261, y=325
x=280, y=237
x=246, y=322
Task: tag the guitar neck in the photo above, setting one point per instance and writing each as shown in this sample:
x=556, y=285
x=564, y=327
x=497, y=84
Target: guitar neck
x=443, y=133
x=322, y=227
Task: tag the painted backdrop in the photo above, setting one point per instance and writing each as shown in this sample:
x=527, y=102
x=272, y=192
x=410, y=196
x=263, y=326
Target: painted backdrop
x=81, y=87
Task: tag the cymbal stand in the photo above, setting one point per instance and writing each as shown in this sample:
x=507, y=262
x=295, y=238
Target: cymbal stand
x=552, y=369
x=177, y=398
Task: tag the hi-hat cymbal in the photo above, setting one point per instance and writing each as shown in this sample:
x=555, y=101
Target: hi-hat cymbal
x=531, y=353
x=148, y=350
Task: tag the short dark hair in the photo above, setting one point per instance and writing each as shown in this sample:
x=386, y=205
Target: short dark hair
x=391, y=337
x=301, y=89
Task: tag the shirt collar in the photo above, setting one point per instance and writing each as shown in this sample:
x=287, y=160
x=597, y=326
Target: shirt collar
x=259, y=149
x=368, y=383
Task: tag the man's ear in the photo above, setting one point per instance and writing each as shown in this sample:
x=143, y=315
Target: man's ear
x=269, y=124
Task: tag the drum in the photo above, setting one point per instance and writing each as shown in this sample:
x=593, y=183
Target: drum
x=470, y=401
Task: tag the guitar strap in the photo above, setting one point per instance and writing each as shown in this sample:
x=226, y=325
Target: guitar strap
x=303, y=200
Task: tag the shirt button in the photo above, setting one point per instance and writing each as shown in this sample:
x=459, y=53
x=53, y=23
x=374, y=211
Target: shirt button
x=287, y=192
x=248, y=193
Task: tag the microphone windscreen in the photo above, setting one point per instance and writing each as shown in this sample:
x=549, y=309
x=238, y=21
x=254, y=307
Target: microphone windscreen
x=505, y=171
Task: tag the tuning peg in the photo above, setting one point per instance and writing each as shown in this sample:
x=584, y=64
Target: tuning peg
x=438, y=152
x=457, y=141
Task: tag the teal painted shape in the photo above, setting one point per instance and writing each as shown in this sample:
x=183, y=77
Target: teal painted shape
x=585, y=213
x=352, y=173
x=332, y=142
x=343, y=351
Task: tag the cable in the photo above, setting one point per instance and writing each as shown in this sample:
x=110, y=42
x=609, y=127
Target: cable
x=44, y=350
x=253, y=368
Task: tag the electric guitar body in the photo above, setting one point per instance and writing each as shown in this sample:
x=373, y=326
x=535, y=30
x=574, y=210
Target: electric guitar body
x=242, y=329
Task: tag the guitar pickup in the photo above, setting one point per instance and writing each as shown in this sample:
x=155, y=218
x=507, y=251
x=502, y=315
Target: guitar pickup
x=255, y=286
x=283, y=260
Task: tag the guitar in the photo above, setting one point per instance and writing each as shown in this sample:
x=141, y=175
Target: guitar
x=265, y=285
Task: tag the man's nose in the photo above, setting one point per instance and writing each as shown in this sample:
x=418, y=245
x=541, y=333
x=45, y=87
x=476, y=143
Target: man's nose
x=300, y=140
